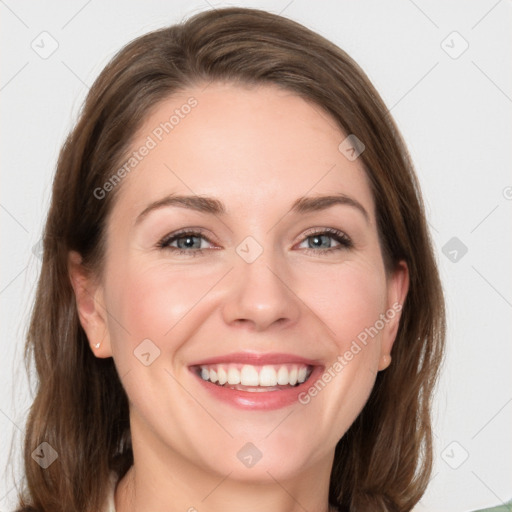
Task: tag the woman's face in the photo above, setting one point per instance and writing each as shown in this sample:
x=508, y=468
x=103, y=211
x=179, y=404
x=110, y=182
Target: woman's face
x=224, y=262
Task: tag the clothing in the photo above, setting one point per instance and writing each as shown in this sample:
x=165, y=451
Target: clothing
x=110, y=505
x=506, y=507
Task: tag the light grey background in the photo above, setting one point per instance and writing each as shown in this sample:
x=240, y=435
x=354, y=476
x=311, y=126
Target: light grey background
x=455, y=113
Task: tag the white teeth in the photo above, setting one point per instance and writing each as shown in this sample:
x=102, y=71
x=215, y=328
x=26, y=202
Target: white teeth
x=268, y=376
x=293, y=376
x=249, y=376
x=233, y=376
x=282, y=376
x=256, y=376
x=222, y=375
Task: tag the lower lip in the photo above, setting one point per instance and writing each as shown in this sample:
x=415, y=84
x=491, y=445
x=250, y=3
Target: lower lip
x=260, y=400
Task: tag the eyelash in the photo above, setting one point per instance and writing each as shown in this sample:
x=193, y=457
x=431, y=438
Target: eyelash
x=340, y=237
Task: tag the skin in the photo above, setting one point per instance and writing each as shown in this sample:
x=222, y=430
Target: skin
x=257, y=150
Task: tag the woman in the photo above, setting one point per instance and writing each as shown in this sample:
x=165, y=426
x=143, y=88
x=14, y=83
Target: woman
x=239, y=306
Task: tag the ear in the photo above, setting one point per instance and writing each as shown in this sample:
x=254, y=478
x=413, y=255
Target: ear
x=90, y=306
x=398, y=286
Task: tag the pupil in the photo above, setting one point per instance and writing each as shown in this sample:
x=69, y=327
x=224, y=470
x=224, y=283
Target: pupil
x=318, y=239
x=188, y=242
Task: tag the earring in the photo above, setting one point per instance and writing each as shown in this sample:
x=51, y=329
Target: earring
x=385, y=361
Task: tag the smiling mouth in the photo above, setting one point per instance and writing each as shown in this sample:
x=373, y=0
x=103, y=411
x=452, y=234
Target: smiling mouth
x=254, y=378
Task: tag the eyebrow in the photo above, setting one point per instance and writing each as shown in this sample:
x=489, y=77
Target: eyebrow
x=213, y=206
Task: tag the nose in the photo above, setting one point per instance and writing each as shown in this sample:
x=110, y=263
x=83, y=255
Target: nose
x=260, y=295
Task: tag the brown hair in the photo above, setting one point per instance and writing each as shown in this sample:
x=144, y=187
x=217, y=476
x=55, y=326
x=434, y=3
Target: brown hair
x=384, y=461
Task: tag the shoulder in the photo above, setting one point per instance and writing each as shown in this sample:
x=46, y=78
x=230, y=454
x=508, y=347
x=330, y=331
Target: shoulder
x=506, y=507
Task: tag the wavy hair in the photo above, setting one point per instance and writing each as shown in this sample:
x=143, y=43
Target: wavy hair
x=384, y=461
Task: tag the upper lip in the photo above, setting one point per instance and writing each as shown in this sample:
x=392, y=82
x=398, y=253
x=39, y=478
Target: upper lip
x=257, y=359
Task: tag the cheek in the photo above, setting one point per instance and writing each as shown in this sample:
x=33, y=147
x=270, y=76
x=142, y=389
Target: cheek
x=348, y=299
x=153, y=302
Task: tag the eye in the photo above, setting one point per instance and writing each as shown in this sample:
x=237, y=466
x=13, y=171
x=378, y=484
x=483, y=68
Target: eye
x=194, y=242
x=321, y=241
x=185, y=242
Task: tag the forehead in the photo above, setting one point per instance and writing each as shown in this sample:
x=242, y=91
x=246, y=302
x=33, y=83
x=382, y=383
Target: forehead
x=246, y=145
